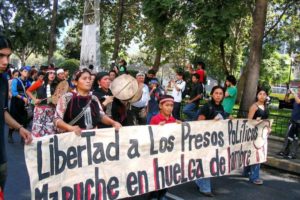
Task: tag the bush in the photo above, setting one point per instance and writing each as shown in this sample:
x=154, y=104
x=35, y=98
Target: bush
x=71, y=64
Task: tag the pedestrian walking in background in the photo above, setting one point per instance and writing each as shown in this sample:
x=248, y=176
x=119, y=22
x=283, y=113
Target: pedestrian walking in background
x=290, y=146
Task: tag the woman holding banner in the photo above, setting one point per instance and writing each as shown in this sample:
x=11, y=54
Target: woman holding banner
x=257, y=111
x=213, y=110
x=80, y=109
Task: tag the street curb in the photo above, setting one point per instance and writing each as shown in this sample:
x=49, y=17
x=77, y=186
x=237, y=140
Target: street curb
x=279, y=162
x=283, y=164
x=276, y=138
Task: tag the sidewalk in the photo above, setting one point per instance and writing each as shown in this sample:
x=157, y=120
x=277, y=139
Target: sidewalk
x=274, y=146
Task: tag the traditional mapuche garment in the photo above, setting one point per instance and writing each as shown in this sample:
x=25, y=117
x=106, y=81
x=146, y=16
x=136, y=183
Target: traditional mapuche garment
x=71, y=105
x=43, y=115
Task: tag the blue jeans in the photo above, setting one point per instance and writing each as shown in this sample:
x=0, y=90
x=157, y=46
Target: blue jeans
x=176, y=110
x=190, y=110
x=204, y=184
x=252, y=171
x=150, y=115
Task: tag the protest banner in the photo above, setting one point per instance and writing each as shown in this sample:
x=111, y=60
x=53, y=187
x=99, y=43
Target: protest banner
x=108, y=164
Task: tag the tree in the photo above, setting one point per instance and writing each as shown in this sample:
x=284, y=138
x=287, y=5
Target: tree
x=28, y=27
x=72, y=41
x=160, y=14
x=282, y=25
x=118, y=29
x=53, y=30
x=254, y=61
x=221, y=29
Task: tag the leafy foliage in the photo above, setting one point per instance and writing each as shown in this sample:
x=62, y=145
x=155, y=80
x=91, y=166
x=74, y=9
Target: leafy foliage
x=71, y=64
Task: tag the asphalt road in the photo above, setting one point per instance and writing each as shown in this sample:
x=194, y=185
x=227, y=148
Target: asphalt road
x=277, y=184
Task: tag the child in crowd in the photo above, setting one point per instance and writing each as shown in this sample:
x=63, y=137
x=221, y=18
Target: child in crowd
x=166, y=105
x=155, y=93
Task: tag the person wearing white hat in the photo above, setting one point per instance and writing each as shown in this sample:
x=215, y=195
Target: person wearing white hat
x=137, y=112
x=60, y=73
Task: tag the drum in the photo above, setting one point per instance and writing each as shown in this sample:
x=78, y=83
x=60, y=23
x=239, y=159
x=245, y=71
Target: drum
x=60, y=90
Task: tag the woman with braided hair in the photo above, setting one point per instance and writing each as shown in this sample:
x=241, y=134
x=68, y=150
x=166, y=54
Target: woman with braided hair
x=80, y=110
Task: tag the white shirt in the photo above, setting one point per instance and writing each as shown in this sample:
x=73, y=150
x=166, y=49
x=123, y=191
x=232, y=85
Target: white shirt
x=178, y=94
x=143, y=102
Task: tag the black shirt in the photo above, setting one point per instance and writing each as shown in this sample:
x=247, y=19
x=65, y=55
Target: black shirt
x=76, y=105
x=3, y=108
x=263, y=114
x=211, y=110
x=118, y=110
x=100, y=94
x=196, y=89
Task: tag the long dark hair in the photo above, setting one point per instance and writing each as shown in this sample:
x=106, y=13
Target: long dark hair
x=5, y=43
x=258, y=91
x=52, y=85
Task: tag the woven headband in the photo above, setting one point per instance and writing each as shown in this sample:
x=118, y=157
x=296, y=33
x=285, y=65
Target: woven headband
x=166, y=99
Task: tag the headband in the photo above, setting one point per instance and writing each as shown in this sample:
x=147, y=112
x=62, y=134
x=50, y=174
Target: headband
x=166, y=99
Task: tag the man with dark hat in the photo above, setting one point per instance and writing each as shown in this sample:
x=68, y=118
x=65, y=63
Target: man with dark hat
x=155, y=94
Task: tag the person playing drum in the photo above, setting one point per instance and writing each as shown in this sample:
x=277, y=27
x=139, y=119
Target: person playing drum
x=80, y=110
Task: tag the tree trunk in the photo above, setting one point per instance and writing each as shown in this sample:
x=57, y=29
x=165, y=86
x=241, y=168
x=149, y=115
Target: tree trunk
x=118, y=30
x=253, y=64
x=240, y=87
x=222, y=53
x=52, y=41
x=23, y=57
x=159, y=46
x=157, y=57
